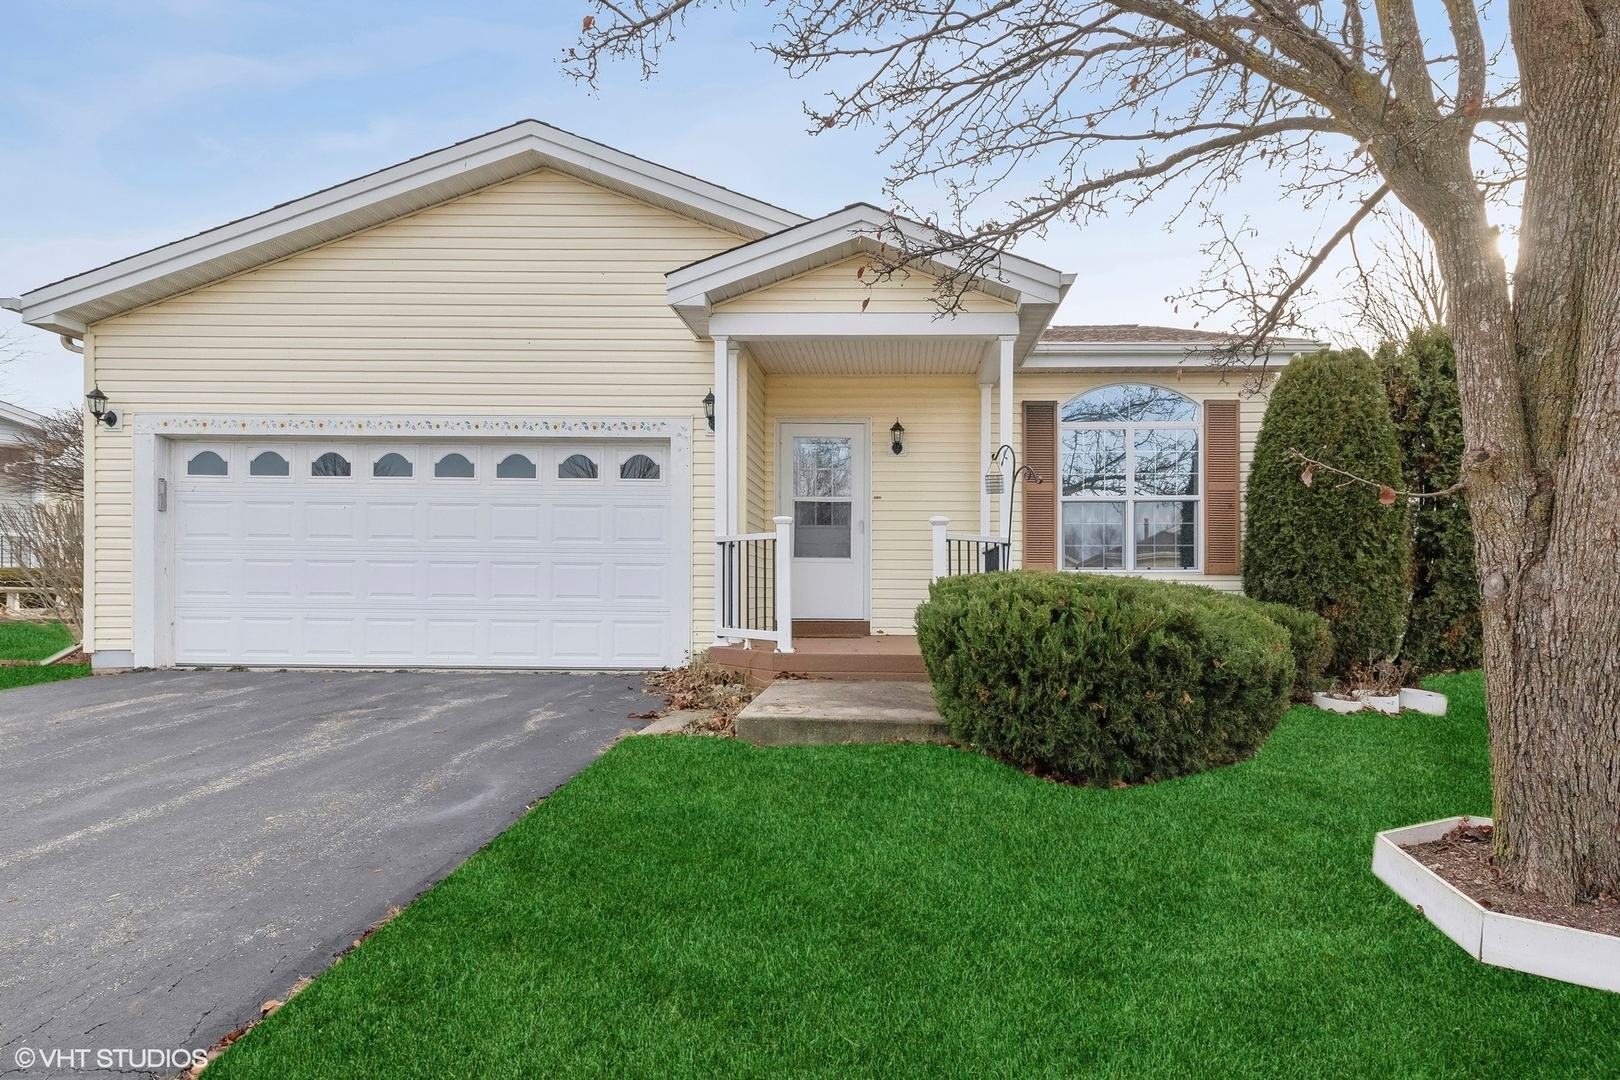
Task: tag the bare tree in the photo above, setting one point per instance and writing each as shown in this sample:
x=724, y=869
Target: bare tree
x=1115, y=103
x=48, y=459
x=45, y=533
x=1398, y=288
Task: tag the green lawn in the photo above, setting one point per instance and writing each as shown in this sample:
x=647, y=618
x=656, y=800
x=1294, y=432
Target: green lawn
x=35, y=641
x=699, y=907
x=32, y=641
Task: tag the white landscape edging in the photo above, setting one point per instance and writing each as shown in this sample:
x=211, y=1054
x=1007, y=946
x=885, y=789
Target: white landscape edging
x=1557, y=952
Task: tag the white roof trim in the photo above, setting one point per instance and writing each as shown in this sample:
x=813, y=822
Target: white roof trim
x=694, y=290
x=1144, y=355
x=18, y=414
x=69, y=305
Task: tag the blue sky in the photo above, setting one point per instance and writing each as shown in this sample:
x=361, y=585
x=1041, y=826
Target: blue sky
x=131, y=123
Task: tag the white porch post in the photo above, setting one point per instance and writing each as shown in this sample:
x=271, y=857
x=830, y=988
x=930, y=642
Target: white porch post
x=1004, y=433
x=985, y=449
x=784, y=583
x=725, y=447
x=939, y=523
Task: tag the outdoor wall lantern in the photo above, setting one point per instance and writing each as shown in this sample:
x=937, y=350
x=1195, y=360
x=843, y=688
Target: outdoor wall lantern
x=897, y=439
x=98, y=408
x=708, y=408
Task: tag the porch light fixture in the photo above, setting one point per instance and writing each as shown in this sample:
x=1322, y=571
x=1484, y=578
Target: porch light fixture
x=98, y=408
x=897, y=443
x=708, y=408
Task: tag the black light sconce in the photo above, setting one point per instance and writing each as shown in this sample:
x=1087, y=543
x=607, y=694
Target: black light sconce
x=708, y=408
x=98, y=408
x=897, y=439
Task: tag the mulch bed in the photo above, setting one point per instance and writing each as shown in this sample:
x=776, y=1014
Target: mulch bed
x=1463, y=858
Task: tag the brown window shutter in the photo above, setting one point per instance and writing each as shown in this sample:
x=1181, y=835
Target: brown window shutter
x=1040, y=499
x=1222, y=541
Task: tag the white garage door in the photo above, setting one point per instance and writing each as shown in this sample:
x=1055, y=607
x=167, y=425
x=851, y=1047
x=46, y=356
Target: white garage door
x=384, y=553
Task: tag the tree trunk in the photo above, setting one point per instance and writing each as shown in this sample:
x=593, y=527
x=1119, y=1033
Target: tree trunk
x=1546, y=504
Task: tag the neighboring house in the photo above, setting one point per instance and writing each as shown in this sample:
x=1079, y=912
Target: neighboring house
x=454, y=413
x=15, y=422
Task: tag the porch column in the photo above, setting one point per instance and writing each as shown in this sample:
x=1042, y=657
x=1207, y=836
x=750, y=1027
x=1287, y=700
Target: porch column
x=1004, y=433
x=985, y=449
x=725, y=437
x=725, y=468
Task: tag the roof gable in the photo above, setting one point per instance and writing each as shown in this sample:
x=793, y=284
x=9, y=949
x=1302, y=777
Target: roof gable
x=1028, y=287
x=73, y=304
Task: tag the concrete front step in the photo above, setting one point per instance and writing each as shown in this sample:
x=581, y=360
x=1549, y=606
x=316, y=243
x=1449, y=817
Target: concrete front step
x=813, y=712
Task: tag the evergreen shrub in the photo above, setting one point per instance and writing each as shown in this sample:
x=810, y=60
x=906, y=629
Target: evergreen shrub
x=1443, y=629
x=1102, y=680
x=1330, y=547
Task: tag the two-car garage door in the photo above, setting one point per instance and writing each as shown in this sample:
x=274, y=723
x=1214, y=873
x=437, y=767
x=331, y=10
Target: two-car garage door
x=382, y=553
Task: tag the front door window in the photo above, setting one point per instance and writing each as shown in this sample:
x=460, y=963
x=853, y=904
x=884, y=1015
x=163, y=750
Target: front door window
x=823, y=496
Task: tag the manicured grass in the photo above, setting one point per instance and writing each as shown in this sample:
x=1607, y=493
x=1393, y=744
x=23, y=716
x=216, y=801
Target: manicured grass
x=32, y=641
x=27, y=676
x=699, y=907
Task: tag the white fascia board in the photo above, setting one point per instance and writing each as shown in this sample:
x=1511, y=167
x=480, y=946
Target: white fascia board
x=545, y=145
x=18, y=414
x=58, y=323
x=772, y=326
x=831, y=238
x=1138, y=355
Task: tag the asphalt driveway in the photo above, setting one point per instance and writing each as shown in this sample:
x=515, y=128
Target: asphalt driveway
x=178, y=847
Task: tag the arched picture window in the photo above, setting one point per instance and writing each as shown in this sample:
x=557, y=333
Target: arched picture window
x=515, y=467
x=393, y=465
x=207, y=463
x=1129, y=465
x=330, y=463
x=639, y=467
x=576, y=467
x=453, y=467
x=269, y=463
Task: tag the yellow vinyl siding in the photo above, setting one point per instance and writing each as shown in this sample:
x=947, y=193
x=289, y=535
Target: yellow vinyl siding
x=541, y=296
x=836, y=288
x=757, y=511
x=935, y=476
x=1198, y=385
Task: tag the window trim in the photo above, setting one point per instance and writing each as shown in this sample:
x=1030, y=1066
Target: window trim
x=254, y=453
x=450, y=451
x=1130, y=497
x=221, y=452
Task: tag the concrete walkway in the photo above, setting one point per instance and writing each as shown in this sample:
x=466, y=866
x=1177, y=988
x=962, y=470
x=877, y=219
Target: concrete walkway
x=797, y=712
x=178, y=847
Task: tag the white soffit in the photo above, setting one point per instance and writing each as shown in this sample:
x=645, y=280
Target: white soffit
x=694, y=290
x=73, y=304
x=860, y=356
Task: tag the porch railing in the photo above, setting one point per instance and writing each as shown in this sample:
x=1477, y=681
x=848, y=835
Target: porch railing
x=753, y=598
x=967, y=553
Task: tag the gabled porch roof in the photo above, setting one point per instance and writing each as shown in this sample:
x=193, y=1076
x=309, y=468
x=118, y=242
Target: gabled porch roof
x=1028, y=291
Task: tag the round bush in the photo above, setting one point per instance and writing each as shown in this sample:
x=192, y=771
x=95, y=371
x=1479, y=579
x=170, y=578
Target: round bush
x=1443, y=629
x=1330, y=547
x=1102, y=680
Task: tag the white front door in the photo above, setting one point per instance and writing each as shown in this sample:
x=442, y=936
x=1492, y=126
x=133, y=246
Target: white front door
x=825, y=487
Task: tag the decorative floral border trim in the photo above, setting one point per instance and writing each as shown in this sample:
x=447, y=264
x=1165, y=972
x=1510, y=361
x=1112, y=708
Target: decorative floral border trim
x=402, y=425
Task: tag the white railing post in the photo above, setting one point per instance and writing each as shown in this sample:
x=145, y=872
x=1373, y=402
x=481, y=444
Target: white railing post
x=942, y=566
x=784, y=583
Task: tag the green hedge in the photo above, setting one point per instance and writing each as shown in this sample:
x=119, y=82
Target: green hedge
x=1443, y=629
x=1331, y=547
x=1310, y=639
x=1102, y=680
